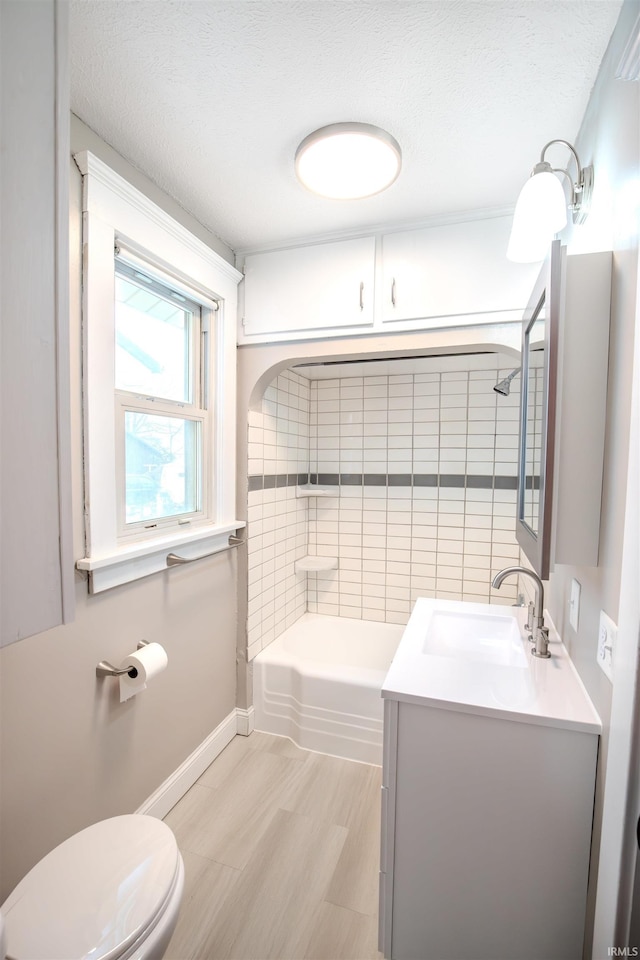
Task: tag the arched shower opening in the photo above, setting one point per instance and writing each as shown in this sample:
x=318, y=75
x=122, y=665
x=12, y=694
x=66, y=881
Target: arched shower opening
x=372, y=478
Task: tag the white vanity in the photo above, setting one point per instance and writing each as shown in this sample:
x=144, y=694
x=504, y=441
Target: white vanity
x=488, y=786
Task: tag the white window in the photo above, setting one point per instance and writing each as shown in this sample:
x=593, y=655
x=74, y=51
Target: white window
x=159, y=385
x=161, y=390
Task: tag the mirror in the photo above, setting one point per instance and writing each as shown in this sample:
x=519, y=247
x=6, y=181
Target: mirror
x=533, y=347
x=537, y=415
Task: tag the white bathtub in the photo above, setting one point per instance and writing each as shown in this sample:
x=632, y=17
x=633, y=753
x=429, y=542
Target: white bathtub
x=320, y=681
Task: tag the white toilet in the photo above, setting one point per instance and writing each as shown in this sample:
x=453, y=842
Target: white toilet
x=110, y=892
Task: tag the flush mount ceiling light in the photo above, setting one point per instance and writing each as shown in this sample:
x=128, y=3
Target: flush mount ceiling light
x=348, y=161
x=541, y=210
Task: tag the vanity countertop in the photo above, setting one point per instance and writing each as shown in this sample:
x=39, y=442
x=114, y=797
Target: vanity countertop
x=478, y=676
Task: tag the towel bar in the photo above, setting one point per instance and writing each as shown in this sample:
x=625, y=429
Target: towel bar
x=173, y=560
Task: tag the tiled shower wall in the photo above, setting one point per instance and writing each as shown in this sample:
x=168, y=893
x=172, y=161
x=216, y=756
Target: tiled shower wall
x=427, y=465
x=277, y=527
x=424, y=466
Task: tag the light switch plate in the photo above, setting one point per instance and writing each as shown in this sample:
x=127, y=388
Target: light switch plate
x=607, y=644
x=574, y=604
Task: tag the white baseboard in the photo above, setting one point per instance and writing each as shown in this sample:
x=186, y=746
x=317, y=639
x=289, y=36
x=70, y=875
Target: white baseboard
x=176, y=785
x=246, y=721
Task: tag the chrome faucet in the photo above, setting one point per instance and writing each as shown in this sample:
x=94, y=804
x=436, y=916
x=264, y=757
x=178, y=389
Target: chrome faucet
x=535, y=623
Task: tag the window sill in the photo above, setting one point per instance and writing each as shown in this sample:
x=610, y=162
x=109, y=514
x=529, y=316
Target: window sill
x=137, y=560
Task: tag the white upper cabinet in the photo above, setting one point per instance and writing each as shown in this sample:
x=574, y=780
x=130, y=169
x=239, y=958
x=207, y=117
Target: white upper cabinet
x=455, y=270
x=321, y=286
x=450, y=275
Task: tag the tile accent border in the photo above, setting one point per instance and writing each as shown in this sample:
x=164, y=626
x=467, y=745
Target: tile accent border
x=447, y=480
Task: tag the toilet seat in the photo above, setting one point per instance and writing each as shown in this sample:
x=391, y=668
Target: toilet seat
x=98, y=895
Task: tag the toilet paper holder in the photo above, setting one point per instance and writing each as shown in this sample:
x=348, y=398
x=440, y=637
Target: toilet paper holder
x=106, y=669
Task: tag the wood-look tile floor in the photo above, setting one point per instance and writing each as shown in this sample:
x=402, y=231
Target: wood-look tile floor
x=281, y=850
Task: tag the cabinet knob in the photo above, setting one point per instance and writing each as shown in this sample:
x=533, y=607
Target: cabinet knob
x=393, y=292
x=361, y=295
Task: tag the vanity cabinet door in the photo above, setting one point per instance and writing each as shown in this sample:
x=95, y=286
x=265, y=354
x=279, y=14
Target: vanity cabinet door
x=317, y=287
x=387, y=824
x=486, y=830
x=455, y=270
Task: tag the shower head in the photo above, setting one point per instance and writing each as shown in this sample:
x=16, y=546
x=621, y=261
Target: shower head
x=504, y=387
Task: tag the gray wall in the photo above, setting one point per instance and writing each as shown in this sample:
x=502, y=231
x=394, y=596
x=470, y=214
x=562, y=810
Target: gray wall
x=72, y=753
x=610, y=139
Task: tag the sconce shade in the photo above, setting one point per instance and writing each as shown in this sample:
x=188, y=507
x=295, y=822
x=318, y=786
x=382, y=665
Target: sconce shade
x=348, y=161
x=541, y=212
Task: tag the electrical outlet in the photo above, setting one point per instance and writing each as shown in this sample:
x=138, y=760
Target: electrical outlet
x=574, y=604
x=607, y=644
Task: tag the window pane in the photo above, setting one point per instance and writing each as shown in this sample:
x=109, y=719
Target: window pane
x=153, y=338
x=162, y=466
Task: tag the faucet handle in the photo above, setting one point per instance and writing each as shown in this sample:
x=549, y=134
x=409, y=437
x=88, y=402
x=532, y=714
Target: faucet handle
x=530, y=609
x=541, y=648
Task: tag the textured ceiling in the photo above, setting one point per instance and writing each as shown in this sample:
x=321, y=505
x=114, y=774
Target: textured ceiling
x=211, y=98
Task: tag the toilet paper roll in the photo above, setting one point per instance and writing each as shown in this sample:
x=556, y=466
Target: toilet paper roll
x=143, y=665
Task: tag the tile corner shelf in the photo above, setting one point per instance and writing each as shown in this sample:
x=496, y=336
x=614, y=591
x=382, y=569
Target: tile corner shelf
x=316, y=490
x=316, y=564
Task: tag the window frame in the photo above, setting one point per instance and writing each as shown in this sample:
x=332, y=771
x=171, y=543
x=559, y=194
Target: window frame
x=115, y=214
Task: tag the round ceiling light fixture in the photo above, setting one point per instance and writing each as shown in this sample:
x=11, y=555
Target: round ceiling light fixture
x=348, y=161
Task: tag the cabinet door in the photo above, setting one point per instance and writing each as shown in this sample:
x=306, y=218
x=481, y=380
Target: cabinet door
x=36, y=544
x=322, y=286
x=453, y=270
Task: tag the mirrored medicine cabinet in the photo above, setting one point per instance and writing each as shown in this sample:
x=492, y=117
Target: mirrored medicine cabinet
x=538, y=394
x=563, y=390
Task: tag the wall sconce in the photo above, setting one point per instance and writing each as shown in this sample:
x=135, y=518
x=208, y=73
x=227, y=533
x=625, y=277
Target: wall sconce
x=541, y=210
x=348, y=161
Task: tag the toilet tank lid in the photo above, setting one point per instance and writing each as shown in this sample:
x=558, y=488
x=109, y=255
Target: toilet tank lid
x=95, y=894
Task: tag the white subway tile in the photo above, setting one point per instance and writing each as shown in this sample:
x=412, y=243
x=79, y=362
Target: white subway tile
x=479, y=468
x=396, y=565
x=450, y=400
x=446, y=544
x=430, y=401
x=374, y=405
x=350, y=590
x=453, y=413
x=329, y=609
x=374, y=389
x=400, y=403
x=399, y=416
x=422, y=582
x=394, y=616
x=424, y=388
x=447, y=559
x=427, y=415
x=505, y=523
x=421, y=545
x=449, y=584
x=453, y=454
x=394, y=606
x=376, y=429
x=426, y=428
x=369, y=613
x=477, y=554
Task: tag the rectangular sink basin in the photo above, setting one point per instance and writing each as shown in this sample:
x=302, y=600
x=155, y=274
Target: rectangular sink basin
x=475, y=637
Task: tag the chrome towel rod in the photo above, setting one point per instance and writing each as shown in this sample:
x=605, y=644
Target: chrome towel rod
x=173, y=560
